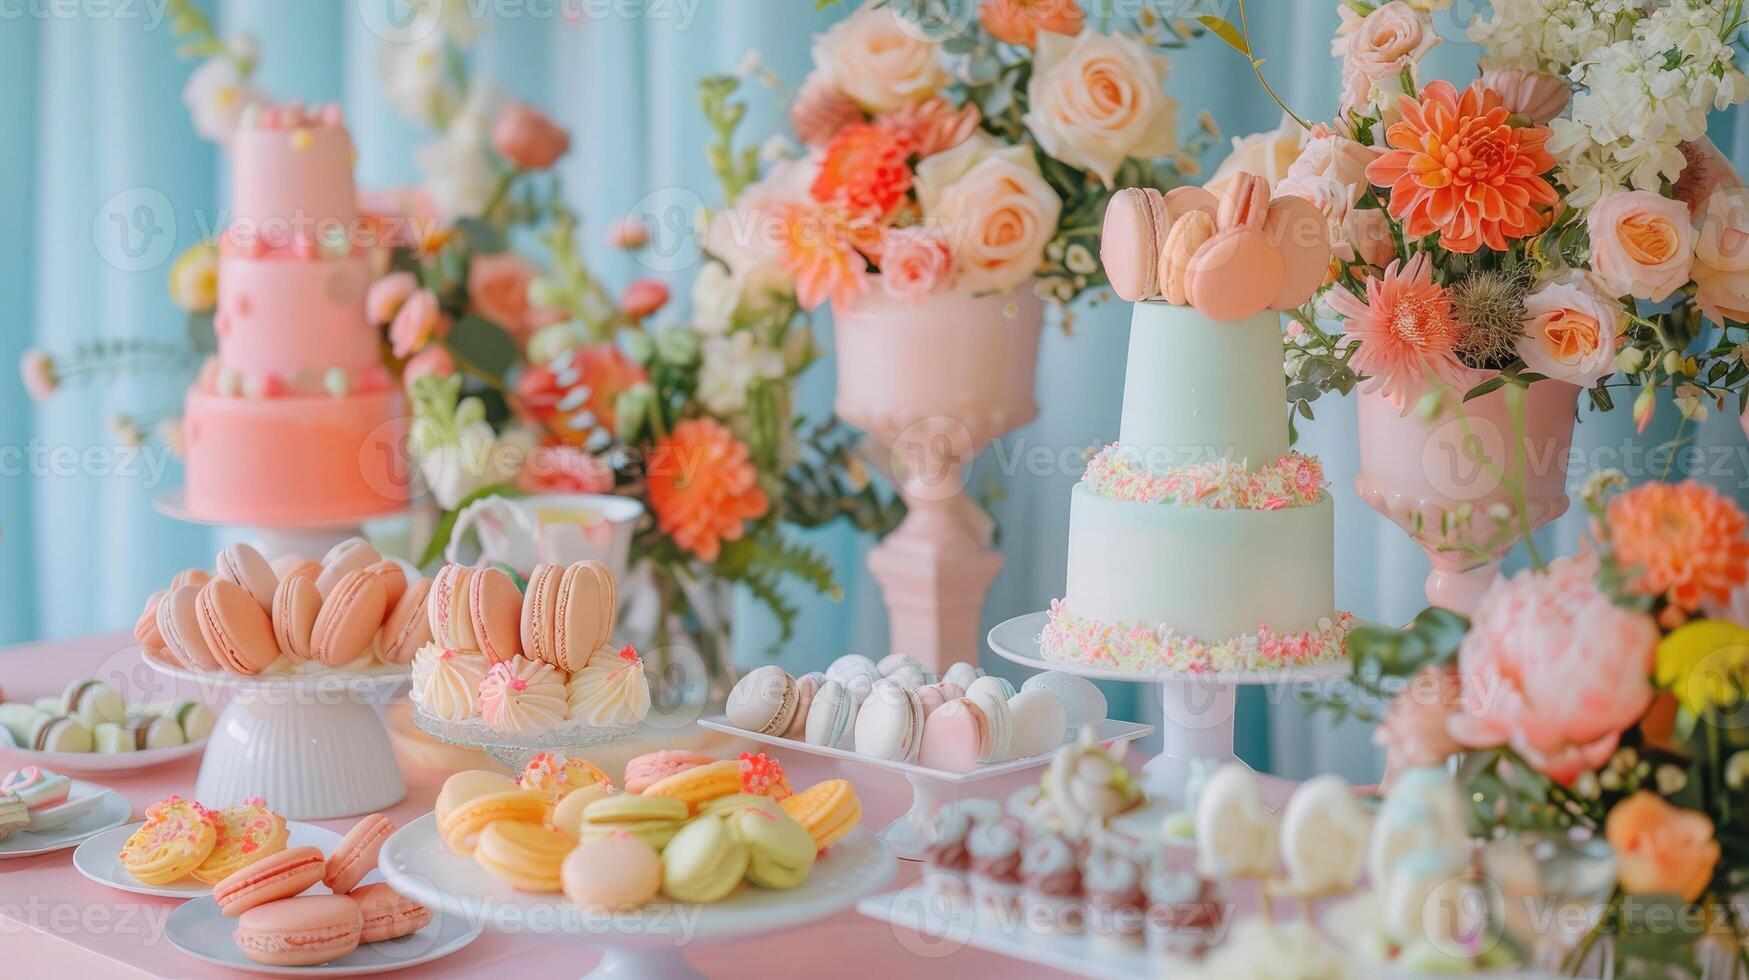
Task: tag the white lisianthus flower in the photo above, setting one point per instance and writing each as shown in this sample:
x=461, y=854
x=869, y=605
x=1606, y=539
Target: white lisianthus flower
x=216, y=95
x=731, y=364
x=458, y=170
x=715, y=295
x=416, y=78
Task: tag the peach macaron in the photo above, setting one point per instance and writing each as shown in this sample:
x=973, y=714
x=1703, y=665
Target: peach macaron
x=306, y=931
x=448, y=608
x=495, y=614
x=350, y=617
x=243, y=565
x=236, y=629
x=296, y=604
x=356, y=853
x=179, y=624
x=388, y=914
x=409, y=625
x=351, y=555
x=269, y=879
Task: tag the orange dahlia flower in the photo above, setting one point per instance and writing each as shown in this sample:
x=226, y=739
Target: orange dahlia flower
x=1457, y=168
x=821, y=252
x=1682, y=541
x=703, y=487
x=864, y=170
x=1019, y=21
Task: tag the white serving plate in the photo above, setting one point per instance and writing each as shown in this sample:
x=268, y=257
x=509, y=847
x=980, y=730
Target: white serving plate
x=200, y=930
x=108, y=763
x=97, y=858
x=101, y=808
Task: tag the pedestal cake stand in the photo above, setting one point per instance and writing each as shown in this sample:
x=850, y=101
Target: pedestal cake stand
x=511, y=749
x=312, y=745
x=929, y=787
x=649, y=942
x=309, y=538
x=1197, y=711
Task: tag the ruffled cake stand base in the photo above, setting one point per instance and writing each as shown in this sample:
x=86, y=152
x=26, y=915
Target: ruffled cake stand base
x=1197, y=711
x=313, y=745
x=513, y=750
x=648, y=943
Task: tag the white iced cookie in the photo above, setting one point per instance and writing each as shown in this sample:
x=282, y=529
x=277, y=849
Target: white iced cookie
x=1323, y=837
x=1235, y=832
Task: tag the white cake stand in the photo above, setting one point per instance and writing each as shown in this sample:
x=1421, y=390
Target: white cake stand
x=1197, y=711
x=311, y=745
x=647, y=943
x=513, y=750
x=930, y=788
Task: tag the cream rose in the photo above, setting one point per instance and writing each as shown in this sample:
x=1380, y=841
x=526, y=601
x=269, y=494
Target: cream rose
x=1269, y=155
x=1327, y=153
x=1721, y=256
x=872, y=58
x=1390, y=39
x=993, y=206
x=1096, y=99
x=1570, y=330
x=1642, y=244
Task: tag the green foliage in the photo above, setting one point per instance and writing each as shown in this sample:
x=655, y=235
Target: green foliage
x=735, y=169
x=484, y=346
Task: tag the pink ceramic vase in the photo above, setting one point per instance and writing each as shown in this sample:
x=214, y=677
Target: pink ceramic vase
x=1424, y=474
x=935, y=382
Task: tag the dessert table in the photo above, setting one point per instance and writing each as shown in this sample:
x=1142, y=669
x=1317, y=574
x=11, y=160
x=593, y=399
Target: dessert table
x=54, y=922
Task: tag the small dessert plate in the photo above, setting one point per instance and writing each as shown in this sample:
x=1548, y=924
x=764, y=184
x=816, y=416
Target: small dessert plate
x=94, y=810
x=200, y=930
x=107, y=763
x=98, y=859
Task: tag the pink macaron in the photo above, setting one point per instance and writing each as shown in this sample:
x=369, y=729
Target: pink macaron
x=1300, y=232
x=392, y=576
x=296, y=604
x=269, y=879
x=356, y=853
x=146, y=632
x=1185, y=239
x=235, y=627
x=179, y=625
x=350, y=617
x=387, y=914
x=495, y=613
x=409, y=625
x=447, y=606
x=305, y=931
x=1135, y=226
x=351, y=555
x=646, y=770
x=1237, y=273
x=243, y=565
x=955, y=737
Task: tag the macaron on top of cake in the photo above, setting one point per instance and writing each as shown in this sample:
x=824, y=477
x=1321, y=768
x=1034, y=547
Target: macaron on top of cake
x=179, y=624
x=1134, y=232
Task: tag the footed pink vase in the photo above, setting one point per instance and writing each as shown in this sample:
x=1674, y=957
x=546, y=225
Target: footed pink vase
x=935, y=382
x=1418, y=473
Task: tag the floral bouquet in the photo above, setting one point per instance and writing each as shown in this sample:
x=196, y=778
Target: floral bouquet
x=943, y=155
x=1600, y=696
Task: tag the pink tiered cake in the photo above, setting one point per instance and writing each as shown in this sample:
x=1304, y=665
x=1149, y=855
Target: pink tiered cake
x=295, y=421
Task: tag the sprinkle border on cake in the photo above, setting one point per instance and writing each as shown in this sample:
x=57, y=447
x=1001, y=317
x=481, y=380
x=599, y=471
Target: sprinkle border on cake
x=1068, y=638
x=1295, y=480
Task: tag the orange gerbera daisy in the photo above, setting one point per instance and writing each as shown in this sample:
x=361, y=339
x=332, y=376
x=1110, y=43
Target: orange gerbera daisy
x=820, y=253
x=864, y=170
x=1682, y=541
x=703, y=487
x=1456, y=167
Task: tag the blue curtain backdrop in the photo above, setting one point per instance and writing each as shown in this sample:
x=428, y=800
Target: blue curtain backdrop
x=103, y=182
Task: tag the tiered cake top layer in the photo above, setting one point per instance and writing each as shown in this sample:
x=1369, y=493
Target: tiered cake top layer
x=292, y=192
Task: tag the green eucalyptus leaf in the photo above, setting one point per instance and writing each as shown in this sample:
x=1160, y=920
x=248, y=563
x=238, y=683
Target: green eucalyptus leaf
x=484, y=344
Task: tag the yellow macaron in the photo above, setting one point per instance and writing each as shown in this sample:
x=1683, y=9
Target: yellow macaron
x=462, y=828
x=699, y=785
x=704, y=862
x=527, y=855
x=469, y=784
x=828, y=810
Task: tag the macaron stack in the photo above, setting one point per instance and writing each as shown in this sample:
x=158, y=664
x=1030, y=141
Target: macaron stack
x=895, y=710
x=352, y=610
x=91, y=717
x=1230, y=258
x=688, y=827
x=278, y=925
x=525, y=663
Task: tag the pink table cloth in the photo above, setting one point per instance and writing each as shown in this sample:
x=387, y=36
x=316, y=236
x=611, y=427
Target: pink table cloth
x=56, y=923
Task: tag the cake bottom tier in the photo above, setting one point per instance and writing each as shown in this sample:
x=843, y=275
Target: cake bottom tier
x=299, y=460
x=1159, y=587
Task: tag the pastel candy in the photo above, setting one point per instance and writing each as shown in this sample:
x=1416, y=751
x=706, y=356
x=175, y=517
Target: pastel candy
x=1299, y=231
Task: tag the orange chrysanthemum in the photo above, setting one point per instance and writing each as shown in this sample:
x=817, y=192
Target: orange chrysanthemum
x=575, y=395
x=820, y=251
x=1682, y=541
x=864, y=171
x=1457, y=168
x=703, y=487
x=1405, y=329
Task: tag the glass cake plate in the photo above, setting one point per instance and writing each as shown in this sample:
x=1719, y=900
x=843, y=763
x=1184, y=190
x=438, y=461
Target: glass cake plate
x=515, y=750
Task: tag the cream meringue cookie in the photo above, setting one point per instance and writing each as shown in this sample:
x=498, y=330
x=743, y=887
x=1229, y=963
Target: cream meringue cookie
x=523, y=696
x=446, y=682
x=611, y=689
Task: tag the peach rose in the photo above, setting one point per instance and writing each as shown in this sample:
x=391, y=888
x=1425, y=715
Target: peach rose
x=1020, y=21
x=749, y=237
x=387, y=294
x=1391, y=39
x=564, y=469
x=1661, y=849
x=1721, y=256
x=527, y=138
x=1270, y=155
x=498, y=287
x=1570, y=330
x=915, y=262
x=435, y=359
x=1368, y=230
x=418, y=322
x=995, y=208
x=875, y=59
x=1096, y=99
x=1642, y=244
x=1531, y=94
x=643, y=297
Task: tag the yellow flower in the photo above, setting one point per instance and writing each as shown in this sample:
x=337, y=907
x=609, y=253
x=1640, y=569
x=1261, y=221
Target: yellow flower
x=194, y=279
x=1705, y=664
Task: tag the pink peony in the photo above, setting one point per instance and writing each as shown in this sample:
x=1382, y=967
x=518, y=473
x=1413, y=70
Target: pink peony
x=1642, y=244
x=1414, y=731
x=435, y=359
x=628, y=234
x=498, y=287
x=387, y=294
x=1554, y=669
x=37, y=369
x=643, y=297
x=1531, y=94
x=914, y=263
x=564, y=469
x=1721, y=256
x=419, y=321
x=527, y=138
